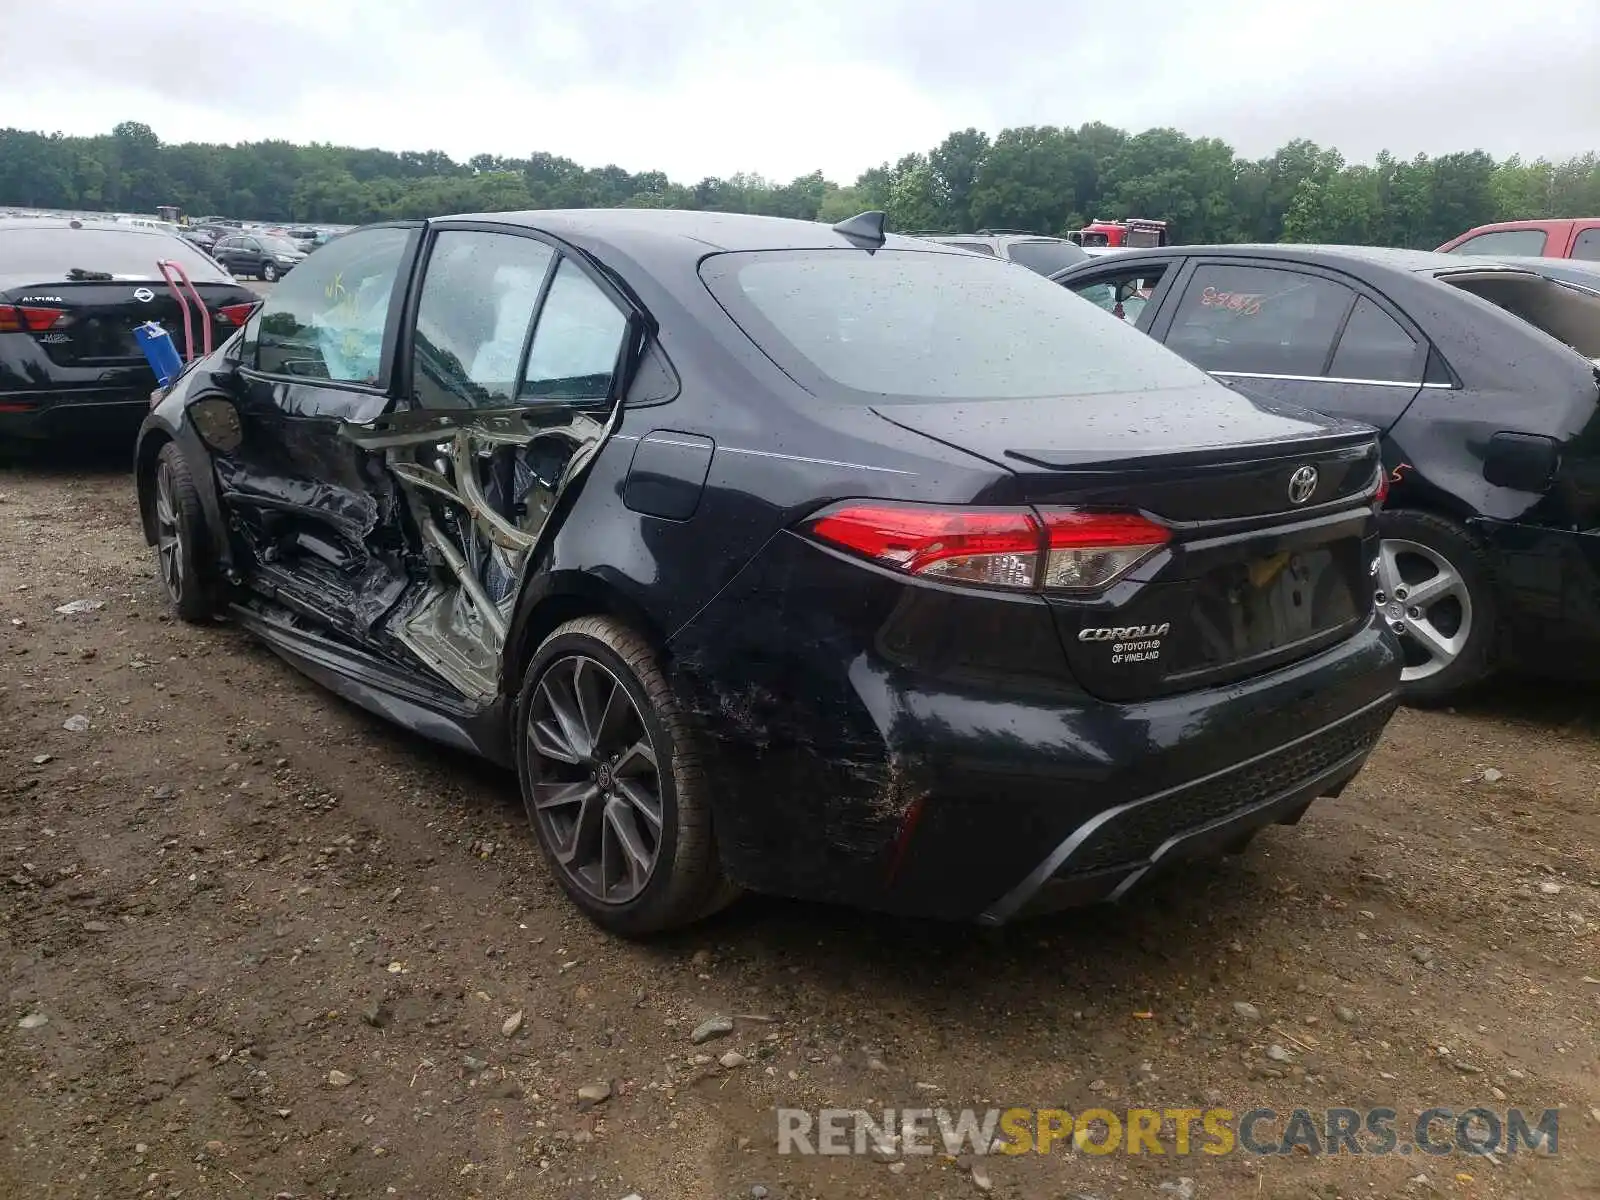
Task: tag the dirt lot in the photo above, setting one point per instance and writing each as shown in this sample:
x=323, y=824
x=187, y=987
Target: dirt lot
x=276, y=945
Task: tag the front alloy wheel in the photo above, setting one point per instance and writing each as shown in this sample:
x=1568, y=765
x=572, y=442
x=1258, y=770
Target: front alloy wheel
x=170, y=549
x=269, y=272
x=188, y=576
x=597, y=797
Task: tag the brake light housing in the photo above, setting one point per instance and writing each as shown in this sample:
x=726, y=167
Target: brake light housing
x=27, y=318
x=1012, y=549
x=235, y=314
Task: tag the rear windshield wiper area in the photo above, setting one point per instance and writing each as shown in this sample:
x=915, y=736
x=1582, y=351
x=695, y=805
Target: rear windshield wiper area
x=84, y=275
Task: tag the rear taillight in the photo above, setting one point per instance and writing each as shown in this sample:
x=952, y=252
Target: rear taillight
x=235, y=314
x=1019, y=549
x=1382, y=492
x=996, y=547
x=1087, y=551
x=24, y=318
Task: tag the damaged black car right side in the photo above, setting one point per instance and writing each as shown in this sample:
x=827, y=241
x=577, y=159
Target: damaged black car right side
x=774, y=556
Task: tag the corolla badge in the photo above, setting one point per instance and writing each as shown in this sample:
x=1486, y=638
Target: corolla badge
x=1122, y=633
x=1302, y=484
x=143, y=295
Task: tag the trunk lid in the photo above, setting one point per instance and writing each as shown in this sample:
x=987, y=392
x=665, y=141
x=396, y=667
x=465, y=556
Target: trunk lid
x=99, y=317
x=1254, y=576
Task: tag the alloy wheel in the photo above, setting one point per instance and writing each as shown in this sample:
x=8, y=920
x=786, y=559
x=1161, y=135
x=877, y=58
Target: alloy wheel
x=1424, y=599
x=595, y=785
x=169, y=532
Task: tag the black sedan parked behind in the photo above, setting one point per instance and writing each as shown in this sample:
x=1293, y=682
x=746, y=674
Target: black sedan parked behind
x=1481, y=375
x=263, y=255
x=71, y=294
x=784, y=557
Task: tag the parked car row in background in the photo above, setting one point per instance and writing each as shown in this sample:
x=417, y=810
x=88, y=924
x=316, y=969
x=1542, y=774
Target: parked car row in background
x=71, y=295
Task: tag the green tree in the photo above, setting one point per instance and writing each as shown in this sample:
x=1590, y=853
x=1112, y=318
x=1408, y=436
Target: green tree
x=1046, y=178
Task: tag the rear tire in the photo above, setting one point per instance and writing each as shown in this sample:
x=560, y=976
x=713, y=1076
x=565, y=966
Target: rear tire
x=1435, y=589
x=613, y=783
x=183, y=563
x=269, y=272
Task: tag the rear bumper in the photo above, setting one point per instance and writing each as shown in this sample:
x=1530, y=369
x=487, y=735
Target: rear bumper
x=53, y=415
x=898, y=748
x=1110, y=854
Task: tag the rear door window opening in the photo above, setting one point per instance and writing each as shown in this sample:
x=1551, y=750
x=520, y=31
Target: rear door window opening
x=1266, y=320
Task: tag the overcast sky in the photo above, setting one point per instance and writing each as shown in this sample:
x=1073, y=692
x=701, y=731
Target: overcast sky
x=782, y=87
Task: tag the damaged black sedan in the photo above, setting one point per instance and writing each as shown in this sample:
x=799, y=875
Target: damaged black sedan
x=786, y=558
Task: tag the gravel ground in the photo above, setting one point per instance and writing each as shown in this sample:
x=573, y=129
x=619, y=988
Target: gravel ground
x=279, y=948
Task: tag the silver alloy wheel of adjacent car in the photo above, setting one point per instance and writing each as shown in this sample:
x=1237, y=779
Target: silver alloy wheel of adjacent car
x=169, y=532
x=596, y=788
x=1425, y=600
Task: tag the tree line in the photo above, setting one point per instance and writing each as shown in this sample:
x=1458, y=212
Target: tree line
x=1045, y=179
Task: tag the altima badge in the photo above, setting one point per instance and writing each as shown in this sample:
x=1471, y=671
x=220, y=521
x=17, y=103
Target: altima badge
x=1301, y=484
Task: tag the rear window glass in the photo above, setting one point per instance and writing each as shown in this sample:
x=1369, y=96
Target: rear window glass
x=1047, y=257
x=1587, y=245
x=1504, y=241
x=1375, y=347
x=932, y=326
x=124, y=253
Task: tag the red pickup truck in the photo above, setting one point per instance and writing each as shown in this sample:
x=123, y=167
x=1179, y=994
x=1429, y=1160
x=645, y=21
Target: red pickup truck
x=1568, y=237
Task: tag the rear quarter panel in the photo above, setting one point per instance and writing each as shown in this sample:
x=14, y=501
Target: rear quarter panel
x=1512, y=378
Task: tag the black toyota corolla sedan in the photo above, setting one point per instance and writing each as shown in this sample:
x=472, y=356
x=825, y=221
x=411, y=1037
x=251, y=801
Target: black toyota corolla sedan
x=71, y=294
x=784, y=557
x=1484, y=376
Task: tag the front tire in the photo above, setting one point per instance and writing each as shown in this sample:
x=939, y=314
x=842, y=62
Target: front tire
x=613, y=783
x=269, y=272
x=1435, y=590
x=188, y=576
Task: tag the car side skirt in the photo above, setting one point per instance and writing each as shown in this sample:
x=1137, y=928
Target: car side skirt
x=397, y=695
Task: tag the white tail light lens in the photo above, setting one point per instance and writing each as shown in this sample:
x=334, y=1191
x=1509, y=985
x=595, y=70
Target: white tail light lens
x=1091, y=551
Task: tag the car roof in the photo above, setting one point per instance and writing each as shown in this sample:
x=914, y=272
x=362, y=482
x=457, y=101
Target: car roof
x=656, y=234
x=100, y=226
x=996, y=238
x=1382, y=258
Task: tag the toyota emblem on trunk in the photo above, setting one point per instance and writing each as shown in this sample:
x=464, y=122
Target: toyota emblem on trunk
x=1301, y=484
x=143, y=295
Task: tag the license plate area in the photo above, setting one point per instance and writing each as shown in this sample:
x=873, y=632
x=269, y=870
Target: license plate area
x=1224, y=609
x=1243, y=610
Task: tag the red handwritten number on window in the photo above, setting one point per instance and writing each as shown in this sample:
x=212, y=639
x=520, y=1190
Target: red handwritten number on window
x=1246, y=304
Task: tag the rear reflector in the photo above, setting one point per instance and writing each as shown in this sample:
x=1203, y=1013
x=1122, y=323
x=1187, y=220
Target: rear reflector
x=23, y=318
x=1014, y=548
x=1382, y=493
x=1091, y=550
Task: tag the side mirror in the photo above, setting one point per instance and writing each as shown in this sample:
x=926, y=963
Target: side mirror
x=1525, y=462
